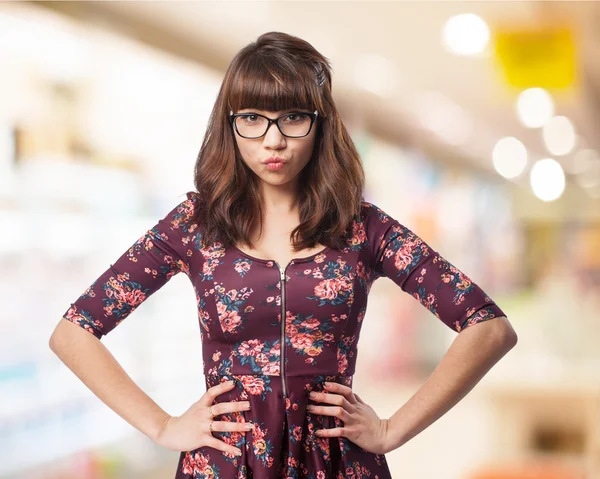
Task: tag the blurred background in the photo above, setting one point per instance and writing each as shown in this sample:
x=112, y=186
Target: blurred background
x=478, y=125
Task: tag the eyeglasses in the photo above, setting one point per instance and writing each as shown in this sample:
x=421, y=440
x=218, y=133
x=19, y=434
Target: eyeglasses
x=254, y=125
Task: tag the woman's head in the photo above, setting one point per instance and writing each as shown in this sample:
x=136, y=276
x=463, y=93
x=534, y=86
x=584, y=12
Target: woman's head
x=278, y=76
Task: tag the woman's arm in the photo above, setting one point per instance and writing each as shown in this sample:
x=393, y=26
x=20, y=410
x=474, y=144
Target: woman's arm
x=472, y=354
x=97, y=368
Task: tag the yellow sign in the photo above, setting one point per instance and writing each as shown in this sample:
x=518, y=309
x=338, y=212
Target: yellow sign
x=537, y=57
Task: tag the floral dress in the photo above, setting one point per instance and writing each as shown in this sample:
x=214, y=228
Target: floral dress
x=280, y=331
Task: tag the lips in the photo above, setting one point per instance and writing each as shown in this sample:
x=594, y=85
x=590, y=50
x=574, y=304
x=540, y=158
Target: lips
x=274, y=159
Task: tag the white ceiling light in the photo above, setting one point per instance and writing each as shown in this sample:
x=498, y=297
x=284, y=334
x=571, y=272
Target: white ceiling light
x=509, y=157
x=547, y=179
x=465, y=34
x=535, y=107
x=559, y=135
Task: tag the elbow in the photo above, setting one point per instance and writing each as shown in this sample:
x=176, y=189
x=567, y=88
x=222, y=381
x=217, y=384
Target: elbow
x=497, y=333
x=511, y=339
x=65, y=335
x=53, y=343
x=507, y=334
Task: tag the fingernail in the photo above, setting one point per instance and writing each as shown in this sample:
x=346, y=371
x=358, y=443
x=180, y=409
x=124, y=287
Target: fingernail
x=230, y=383
x=248, y=426
x=247, y=405
x=313, y=395
x=327, y=384
x=238, y=452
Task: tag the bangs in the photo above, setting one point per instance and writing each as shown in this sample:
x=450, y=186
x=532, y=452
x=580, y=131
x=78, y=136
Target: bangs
x=265, y=84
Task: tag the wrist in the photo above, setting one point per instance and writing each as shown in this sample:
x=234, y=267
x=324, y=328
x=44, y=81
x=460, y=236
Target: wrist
x=160, y=428
x=394, y=435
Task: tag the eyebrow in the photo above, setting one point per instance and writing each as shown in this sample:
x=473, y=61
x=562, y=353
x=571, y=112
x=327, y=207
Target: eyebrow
x=263, y=111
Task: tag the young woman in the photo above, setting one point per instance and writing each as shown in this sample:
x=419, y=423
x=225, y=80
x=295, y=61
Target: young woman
x=282, y=250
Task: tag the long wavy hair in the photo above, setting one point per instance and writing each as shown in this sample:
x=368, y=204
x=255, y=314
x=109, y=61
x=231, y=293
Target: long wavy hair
x=278, y=72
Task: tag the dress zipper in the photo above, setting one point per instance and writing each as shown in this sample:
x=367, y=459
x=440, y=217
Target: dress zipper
x=283, y=317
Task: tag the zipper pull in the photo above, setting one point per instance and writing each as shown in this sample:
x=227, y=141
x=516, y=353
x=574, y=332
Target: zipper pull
x=282, y=273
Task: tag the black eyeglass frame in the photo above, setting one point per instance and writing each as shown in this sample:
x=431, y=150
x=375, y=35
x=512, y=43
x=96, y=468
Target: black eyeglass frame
x=233, y=116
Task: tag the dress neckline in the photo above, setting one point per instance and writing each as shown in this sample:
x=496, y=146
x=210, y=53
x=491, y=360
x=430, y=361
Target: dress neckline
x=293, y=260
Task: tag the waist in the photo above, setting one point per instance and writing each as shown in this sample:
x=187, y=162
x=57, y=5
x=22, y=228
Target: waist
x=295, y=381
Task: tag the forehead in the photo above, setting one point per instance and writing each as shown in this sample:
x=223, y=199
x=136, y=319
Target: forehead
x=269, y=112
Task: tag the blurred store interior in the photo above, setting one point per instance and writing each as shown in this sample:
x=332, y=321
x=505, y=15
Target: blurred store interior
x=478, y=124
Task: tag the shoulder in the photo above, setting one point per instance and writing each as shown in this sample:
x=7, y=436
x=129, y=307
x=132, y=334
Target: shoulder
x=375, y=218
x=182, y=214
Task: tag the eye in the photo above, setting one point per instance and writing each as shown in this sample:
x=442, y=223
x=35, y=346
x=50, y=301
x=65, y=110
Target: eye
x=295, y=117
x=251, y=118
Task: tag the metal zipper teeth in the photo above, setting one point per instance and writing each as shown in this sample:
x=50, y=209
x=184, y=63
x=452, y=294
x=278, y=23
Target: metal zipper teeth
x=283, y=317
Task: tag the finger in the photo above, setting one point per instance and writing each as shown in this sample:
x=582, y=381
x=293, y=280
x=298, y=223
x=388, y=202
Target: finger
x=222, y=426
x=335, y=411
x=211, y=393
x=333, y=432
x=359, y=399
x=221, y=446
x=330, y=398
x=340, y=389
x=227, y=407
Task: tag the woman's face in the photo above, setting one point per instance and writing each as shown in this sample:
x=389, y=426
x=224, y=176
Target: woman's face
x=295, y=152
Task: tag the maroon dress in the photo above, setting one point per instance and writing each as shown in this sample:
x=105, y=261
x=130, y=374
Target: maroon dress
x=276, y=364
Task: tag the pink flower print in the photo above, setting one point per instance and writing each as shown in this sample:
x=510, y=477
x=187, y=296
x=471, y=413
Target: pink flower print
x=313, y=351
x=252, y=347
x=232, y=294
x=262, y=359
x=319, y=258
x=230, y=320
x=358, y=234
x=271, y=368
x=342, y=363
x=311, y=323
x=253, y=384
x=196, y=464
x=328, y=289
x=131, y=297
x=302, y=341
x=291, y=329
x=404, y=257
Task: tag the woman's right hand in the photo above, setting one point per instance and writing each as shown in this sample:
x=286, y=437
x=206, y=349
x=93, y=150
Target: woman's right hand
x=191, y=430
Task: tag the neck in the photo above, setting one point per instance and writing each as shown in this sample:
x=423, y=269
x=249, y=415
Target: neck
x=280, y=199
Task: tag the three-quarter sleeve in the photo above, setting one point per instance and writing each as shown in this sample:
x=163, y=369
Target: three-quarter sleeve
x=402, y=256
x=158, y=255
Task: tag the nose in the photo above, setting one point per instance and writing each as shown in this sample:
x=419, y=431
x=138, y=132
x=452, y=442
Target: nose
x=273, y=137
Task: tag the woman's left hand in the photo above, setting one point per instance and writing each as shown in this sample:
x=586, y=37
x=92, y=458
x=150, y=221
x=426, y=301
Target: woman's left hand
x=362, y=426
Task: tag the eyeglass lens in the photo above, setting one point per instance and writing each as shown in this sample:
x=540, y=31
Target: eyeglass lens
x=255, y=126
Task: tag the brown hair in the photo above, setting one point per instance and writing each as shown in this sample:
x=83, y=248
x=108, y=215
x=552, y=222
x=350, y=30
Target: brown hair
x=278, y=72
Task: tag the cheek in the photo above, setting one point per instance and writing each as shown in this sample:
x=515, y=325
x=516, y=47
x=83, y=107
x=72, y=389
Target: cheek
x=245, y=150
x=308, y=148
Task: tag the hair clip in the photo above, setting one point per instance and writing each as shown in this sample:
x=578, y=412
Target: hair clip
x=320, y=77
